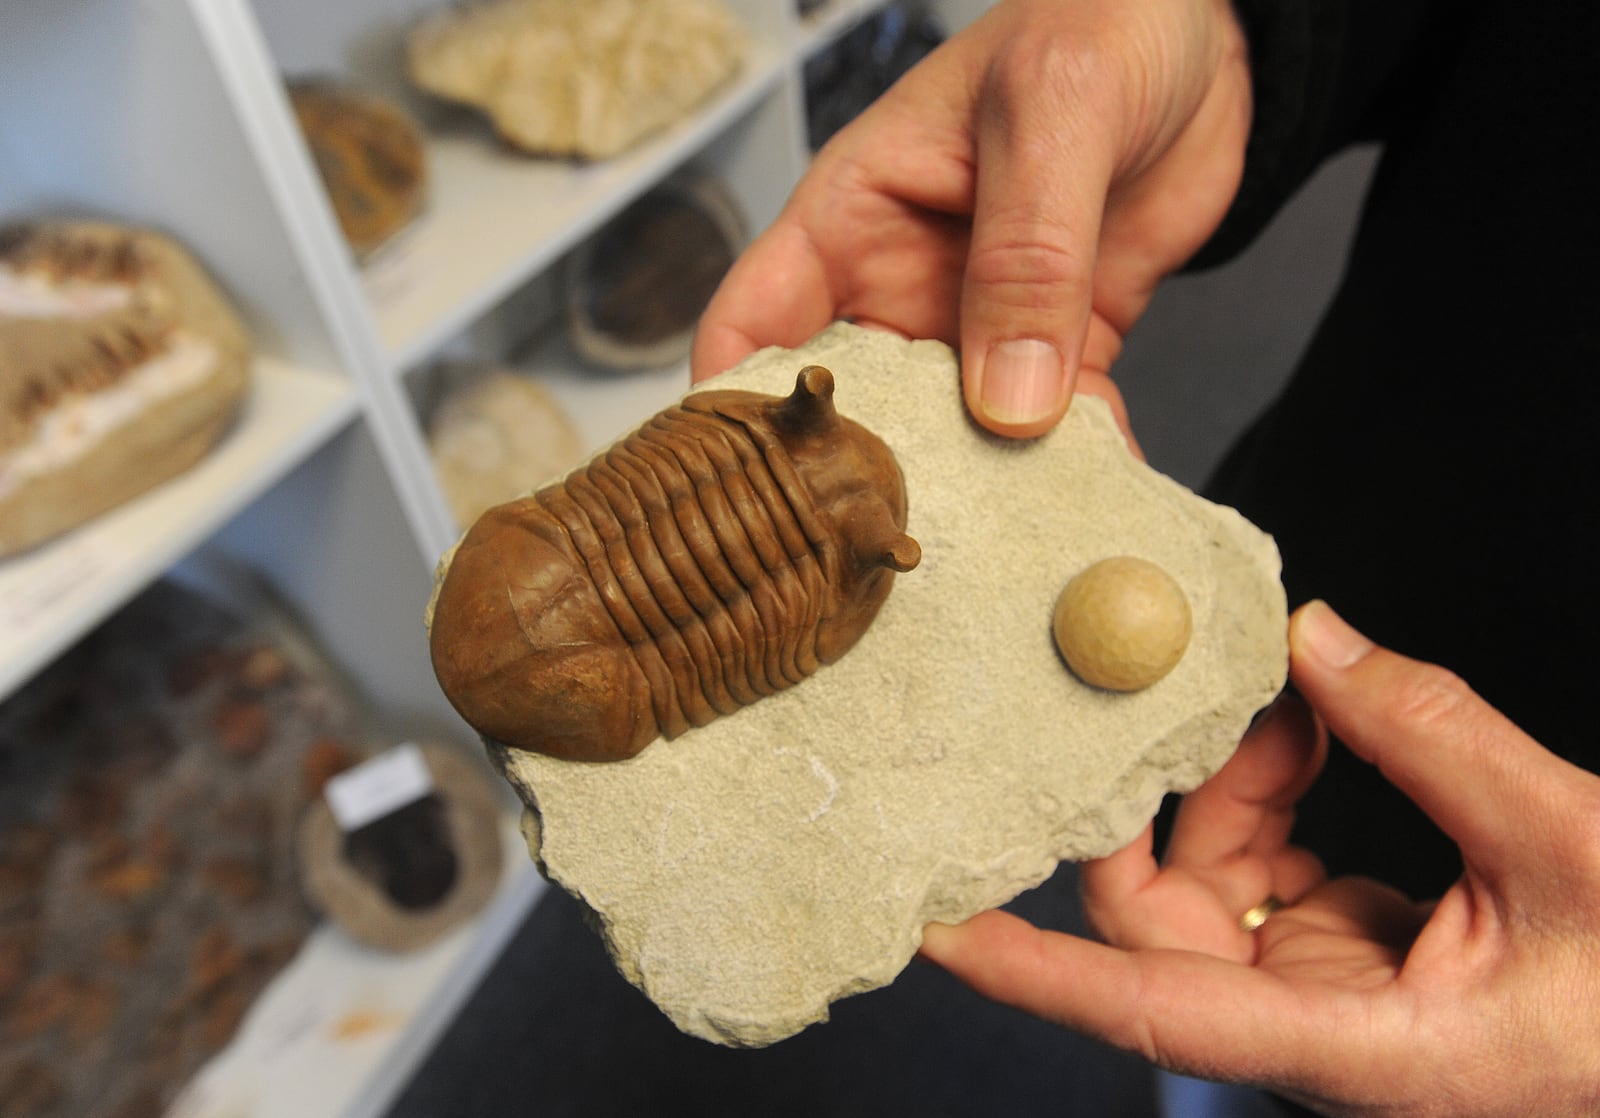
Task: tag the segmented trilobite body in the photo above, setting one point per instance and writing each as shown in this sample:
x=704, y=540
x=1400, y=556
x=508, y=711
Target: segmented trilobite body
x=720, y=553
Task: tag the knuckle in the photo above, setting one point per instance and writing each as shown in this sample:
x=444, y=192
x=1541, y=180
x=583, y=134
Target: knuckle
x=1026, y=260
x=1429, y=697
x=1073, y=68
x=1089, y=67
x=1038, y=88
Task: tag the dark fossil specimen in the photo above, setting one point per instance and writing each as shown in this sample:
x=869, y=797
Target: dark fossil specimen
x=720, y=553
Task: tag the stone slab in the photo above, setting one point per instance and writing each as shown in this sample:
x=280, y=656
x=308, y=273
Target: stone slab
x=751, y=872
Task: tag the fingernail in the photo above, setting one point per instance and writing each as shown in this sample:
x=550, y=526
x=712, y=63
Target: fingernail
x=1021, y=381
x=1327, y=637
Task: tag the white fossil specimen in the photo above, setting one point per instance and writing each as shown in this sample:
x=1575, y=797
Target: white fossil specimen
x=589, y=79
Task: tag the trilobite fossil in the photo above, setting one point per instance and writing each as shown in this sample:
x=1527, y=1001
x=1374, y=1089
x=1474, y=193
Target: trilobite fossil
x=720, y=553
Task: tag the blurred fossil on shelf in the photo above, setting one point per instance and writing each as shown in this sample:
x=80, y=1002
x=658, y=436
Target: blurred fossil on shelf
x=637, y=287
x=494, y=435
x=121, y=365
x=148, y=884
x=586, y=80
x=402, y=881
x=370, y=155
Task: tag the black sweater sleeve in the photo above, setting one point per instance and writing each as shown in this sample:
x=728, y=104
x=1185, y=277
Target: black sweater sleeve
x=1326, y=74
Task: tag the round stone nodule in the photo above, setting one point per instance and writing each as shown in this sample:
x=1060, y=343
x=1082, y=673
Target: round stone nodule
x=1122, y=624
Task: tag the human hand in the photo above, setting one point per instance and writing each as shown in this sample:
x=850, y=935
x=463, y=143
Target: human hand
x=1351, y=999
x=1018, y=194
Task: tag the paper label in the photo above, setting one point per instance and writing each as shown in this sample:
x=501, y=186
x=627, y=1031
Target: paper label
x=371, y=790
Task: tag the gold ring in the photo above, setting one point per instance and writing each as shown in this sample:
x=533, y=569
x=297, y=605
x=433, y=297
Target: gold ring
x=1257, y=916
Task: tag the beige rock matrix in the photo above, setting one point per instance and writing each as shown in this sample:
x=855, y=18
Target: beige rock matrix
x=751, y=872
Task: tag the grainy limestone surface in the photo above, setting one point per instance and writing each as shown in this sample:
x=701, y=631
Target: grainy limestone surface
x=753, y=871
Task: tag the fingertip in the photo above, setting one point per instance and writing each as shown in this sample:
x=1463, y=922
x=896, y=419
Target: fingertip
x=716, y=349
x=1300, y=743
x=1019, y=387
x=1321, y=637
x=939, y=942
x=951, y=945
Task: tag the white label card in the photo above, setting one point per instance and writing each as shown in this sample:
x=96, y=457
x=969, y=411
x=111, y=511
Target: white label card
x=371, y=790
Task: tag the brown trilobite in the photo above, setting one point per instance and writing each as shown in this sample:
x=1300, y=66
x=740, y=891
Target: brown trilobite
x=720, y=553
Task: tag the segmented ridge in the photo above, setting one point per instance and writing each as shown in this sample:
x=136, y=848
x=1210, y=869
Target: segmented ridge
x=64, y=253
x=49, y=363
x=697, y=549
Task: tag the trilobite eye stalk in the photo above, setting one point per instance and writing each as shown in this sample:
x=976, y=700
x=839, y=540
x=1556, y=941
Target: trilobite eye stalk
x=808, y=412
x=878, y=533
x=720, y=553
x=899, y=553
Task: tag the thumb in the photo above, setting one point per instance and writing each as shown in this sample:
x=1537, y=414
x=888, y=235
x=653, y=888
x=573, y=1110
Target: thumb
x=1043, y=176
x=1493, y=789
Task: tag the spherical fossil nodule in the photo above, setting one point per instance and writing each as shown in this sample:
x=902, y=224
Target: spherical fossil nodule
x=1122, y=624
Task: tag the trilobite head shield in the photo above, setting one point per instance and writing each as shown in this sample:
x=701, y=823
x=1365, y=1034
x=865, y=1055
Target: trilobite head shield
x=722, y=552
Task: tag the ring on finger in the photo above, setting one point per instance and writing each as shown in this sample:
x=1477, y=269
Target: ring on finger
x=1258, y=915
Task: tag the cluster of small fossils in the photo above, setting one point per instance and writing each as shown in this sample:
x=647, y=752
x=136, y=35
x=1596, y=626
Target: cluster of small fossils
x=152, y=781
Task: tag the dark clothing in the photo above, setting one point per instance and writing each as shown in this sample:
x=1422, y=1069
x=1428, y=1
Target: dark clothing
x=1430, y=469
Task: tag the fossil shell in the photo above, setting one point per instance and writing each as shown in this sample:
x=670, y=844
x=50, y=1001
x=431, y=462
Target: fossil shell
x=587, y=80
x=370, y=155
x=720, y=553
x=356, y=900
x=120, y=366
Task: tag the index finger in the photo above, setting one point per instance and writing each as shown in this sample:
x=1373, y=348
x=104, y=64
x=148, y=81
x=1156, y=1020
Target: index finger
x=1506, y=800
x=776, y=293
x=1185, y=1011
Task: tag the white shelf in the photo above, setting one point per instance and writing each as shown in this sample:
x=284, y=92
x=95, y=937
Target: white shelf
x=496, y=217
x=53, y=594
x=340, y=1030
